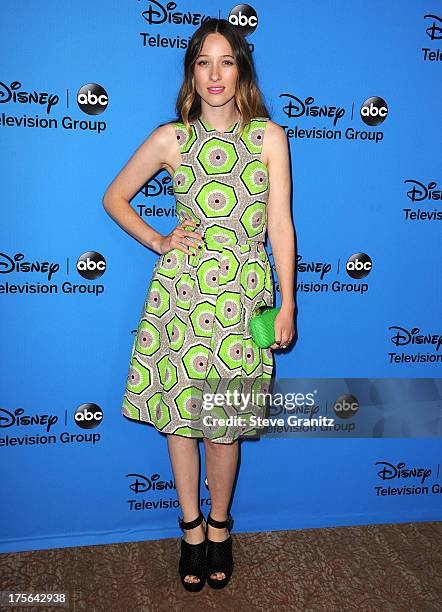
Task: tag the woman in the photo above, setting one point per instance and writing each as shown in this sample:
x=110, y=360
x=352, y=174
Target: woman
x=230, y=184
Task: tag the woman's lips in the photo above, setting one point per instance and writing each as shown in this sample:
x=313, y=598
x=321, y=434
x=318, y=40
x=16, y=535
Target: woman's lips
x=215, y=90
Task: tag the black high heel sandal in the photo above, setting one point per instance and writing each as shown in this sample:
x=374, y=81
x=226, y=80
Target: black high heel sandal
x=219, y=555
x=193, y=557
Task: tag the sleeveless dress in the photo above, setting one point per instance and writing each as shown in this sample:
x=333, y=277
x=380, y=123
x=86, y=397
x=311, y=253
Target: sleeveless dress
x=193, y=340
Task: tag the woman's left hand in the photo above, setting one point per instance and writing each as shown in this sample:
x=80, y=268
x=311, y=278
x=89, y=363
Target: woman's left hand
x=284, y=328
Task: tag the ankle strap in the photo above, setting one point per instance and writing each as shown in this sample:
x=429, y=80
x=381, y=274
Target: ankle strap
x=191, y=524
x=220, y=524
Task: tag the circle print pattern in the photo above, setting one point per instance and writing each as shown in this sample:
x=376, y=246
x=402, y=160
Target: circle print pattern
x=216, y=199
x=217, y=157
x=193, y=333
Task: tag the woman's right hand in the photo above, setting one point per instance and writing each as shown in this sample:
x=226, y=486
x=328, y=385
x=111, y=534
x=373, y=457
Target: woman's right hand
x=179, y=238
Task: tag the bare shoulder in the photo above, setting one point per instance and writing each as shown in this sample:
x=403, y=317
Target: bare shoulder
x=275, y=132
x=163, y=138
x=275, y=142
x=153, y=154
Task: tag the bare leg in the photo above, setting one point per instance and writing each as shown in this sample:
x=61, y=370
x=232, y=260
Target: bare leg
x=185, y=460
x=221, y=466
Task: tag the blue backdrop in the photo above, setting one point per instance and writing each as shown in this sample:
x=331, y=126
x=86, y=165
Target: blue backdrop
x=358, y=92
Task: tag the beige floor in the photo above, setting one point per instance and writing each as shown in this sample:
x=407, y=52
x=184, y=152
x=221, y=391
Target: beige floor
x=388, y=568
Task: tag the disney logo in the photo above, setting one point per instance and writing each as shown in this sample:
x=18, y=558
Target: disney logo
x=157, y=13
x=8, y=419
x=404, y=337
x=142, y=484
x=434, y=31
x=155, y=187
x=419, y=192
x=16, y=264
x=300, y=108
x=11, y=92
x=390, y=471
x=318, y=266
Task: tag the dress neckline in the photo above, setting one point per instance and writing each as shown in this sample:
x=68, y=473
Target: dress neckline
x=210, y=128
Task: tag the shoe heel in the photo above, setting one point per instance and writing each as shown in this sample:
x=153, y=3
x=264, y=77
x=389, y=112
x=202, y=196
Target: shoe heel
x=193, y=557
x=219, y=554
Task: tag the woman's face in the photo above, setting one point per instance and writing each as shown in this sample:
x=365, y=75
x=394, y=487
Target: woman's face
x=215, y=71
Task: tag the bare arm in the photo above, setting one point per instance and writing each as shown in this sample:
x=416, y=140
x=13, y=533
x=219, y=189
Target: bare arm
x=279, y=223
x=150, y=157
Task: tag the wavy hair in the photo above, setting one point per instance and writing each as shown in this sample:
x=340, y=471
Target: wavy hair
x=248, y=97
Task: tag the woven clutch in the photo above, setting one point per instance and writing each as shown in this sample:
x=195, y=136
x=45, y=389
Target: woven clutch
x=262, y=325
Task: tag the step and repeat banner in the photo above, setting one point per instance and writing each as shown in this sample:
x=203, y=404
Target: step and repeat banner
x=358, y=93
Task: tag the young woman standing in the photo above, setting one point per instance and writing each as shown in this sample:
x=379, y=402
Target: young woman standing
x=231, y=178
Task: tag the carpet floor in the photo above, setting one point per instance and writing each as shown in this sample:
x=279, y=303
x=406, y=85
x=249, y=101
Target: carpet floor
x=371, y=568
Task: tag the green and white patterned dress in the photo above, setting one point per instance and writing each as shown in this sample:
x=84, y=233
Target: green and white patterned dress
x=193, y=336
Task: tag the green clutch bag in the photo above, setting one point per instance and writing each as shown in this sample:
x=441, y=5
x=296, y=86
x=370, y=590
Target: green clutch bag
x=262, y=325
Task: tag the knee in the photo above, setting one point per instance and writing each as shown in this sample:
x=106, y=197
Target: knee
x=218, y=447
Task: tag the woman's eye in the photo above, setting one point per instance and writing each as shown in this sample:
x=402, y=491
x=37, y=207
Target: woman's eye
x=205, y=62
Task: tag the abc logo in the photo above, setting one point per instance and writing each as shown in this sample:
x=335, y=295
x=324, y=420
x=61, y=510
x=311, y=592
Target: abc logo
x=244, y=17
x=374, y=111
x=359, y=265
x=91, y=265
x=346, y=406
x=92, y=99
x=88, y=416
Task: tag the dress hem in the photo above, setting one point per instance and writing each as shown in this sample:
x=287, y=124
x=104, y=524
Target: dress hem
x=215, y=440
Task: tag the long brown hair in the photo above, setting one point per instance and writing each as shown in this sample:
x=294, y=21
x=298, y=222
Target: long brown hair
x=248, y=97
